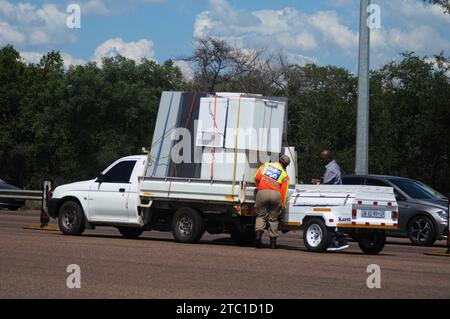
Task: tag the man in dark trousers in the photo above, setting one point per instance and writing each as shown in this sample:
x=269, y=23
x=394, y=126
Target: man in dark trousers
x=272, y=182
x=332, y=176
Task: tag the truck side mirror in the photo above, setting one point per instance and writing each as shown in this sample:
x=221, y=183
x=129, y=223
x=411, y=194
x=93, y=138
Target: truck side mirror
x=99, y=178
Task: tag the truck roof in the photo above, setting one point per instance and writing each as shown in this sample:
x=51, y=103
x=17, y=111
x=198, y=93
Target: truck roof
x=140, y=156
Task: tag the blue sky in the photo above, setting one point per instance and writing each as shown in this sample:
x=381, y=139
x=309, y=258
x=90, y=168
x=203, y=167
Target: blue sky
x=325, y=32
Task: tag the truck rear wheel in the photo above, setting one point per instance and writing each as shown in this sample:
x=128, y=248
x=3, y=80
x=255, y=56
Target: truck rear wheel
x=130, y=232
x=71, y=218
x=316, y=235
x=188, y=225
x=372, y=243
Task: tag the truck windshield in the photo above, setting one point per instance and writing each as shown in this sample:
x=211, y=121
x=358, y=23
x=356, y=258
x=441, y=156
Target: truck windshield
x=417, y=190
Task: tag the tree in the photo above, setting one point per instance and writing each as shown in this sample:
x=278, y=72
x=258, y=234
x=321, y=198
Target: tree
x=411, y=110
x=217, y=63
x=321, y=115
x=12, y=70
x=443, y=3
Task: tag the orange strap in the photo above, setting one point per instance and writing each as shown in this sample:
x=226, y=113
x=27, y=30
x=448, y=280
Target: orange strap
x=213, y=151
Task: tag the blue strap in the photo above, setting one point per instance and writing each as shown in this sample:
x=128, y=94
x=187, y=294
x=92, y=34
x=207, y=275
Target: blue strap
x=162, y=138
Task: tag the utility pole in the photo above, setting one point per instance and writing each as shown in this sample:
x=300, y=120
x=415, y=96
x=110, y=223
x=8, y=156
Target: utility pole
x=362, y=125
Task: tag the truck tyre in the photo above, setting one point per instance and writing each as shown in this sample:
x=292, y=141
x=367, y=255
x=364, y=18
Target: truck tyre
x=130, y=232
x=421, y=231
x=188, y=225
x=71, y=218
x=372, y=243
x=316, y=235
x=244, y=238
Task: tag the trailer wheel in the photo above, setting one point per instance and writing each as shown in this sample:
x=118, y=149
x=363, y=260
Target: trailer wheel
x=316, y=235
x=243, y=238
x=130, y=232
x=188, y=225
x=71, y=218
x=372, y=243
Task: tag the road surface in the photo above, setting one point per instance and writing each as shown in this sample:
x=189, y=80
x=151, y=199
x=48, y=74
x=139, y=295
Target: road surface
x=33, y=264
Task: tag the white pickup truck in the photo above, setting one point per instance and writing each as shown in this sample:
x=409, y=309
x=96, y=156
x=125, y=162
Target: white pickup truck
x=123, y=197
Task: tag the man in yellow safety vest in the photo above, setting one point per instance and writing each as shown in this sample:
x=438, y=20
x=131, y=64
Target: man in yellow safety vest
x=272, y=182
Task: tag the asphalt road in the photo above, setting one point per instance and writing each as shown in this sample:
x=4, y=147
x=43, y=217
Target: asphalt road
x=33, y=264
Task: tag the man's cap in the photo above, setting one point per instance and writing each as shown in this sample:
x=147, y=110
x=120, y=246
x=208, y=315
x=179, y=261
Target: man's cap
x=284, y=160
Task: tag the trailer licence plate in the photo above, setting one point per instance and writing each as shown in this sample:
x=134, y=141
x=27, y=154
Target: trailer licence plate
x=371, y=213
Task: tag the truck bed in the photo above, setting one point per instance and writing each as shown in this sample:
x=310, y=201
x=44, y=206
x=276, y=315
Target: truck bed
x=195, y=189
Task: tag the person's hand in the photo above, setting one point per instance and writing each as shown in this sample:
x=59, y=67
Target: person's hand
x=315, y=181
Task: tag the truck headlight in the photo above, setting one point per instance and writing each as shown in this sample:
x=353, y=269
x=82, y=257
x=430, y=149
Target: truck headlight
x=443, y=214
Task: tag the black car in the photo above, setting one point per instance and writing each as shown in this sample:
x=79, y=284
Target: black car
x=423, y=212
x=11, y=204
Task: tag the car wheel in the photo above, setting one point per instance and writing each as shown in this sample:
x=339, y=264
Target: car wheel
x=316, y=235
x=13, y=208
x=71, y=218
x=372, y=243
x=421, y=231
x=130, y=232
x=187, y=225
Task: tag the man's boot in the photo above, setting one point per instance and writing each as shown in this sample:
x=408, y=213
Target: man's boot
x=258, y=240
x=273, y=242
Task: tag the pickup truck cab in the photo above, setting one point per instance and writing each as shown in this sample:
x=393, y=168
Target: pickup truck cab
x=123, y=197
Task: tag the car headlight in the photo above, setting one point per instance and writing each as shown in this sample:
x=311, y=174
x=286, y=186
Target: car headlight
x=443, y=214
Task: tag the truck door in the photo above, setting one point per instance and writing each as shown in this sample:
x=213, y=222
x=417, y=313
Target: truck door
x=108, y=196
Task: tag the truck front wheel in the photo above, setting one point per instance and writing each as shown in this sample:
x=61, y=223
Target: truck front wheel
x=372, y=243
x=316, y=235
x=71, y=218
x=187, y=225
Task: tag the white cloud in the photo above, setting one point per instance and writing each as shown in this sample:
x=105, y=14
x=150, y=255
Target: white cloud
x=330, y=36
x=131, y=50
x=302, y=36
x=95, y=7
x=185, y=68
x=9, y=35
x=409, y=25
x=203, y=24
x=28, y=26
x=113, y=7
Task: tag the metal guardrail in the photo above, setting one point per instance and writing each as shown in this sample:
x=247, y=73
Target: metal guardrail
x=41, y=195
x=20, y=194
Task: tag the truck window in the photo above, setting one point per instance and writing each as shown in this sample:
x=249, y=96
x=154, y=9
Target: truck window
x=119, y=173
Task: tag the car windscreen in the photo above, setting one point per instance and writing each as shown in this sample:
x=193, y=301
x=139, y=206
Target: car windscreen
x=417, y=190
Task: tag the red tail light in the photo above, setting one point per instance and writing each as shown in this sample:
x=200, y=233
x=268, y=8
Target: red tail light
x=394, y=215
x=354, y=211
x=49, y=195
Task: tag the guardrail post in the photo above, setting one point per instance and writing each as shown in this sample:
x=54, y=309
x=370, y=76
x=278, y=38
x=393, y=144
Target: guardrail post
x=44, y=208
